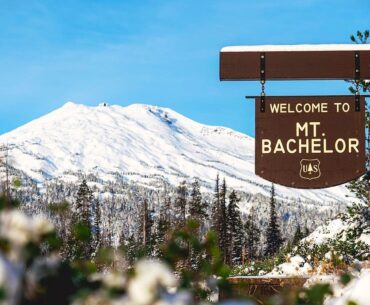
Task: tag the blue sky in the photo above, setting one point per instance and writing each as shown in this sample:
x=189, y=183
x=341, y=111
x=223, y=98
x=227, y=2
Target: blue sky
x=160, y=52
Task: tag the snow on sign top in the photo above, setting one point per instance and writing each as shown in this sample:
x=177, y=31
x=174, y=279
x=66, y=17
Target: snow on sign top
x=297, y=48
x=309, y=62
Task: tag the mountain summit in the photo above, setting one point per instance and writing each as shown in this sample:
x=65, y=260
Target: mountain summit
x=141, y=143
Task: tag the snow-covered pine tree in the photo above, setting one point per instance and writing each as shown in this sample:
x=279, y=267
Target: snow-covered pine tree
x=163, y=225
x=234, y=237
x=216, y=206
x=197, y=212
x=4, y=162
x=146, y=223
x=306, y=231
x=167, y=210
x=181, y=204
x=252, y=236
x=131, y=248
x=218, y=219
x=61, y=214
x=83, y=204
x=80, y=242
x=197, y=208
x=108, y=208
x=97, y=226
x=298, y=235
x=273, y=234
x=222, y=221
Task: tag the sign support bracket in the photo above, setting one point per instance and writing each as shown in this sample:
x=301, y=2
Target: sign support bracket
x=263, y=80
x=357, y=80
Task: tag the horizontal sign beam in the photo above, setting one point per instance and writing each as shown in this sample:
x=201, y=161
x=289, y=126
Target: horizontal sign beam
x=253, y=97
x=295, y=63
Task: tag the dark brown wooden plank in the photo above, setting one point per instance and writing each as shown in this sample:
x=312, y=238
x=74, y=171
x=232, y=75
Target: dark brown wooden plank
x=276, y=281
x=259, y=289
x=291, y=65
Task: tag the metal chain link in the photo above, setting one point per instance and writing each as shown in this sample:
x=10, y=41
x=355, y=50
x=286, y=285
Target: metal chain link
x=367, y=118
x=357, y=81
x=263, y=88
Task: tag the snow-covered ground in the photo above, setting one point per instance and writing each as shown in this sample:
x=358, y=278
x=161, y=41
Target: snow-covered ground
x=299, y=266
x=358, y=290
x=142, y=143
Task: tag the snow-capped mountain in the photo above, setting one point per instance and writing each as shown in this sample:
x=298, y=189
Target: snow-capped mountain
x=141, y=143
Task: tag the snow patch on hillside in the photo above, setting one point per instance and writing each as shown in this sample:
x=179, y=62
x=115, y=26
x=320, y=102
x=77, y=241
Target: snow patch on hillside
x=325, y=232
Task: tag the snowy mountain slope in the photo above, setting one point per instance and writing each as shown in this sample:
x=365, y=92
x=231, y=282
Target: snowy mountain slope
x=141, y=143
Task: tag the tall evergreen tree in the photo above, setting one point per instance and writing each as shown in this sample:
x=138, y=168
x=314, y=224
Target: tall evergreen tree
x=132, y=249
x=306, y=231
x=181, y=204
x=219, y=219
x=197, y=212
x=83, y=204
x=222, y=220
x=163, y=225
x=298, y=235
x=216, y=206
x=162, y=228
x=197, y=208
x=167, y=207
x=80, y=242
x=4, y=162
x=97, y=225
x=252, y=236
x=273, y=234
x=146, y=223
x=234, y=236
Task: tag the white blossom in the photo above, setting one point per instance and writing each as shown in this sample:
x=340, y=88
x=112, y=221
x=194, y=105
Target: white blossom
x=150, y=277
x=15, y=227
x=114, y=280
x=19, y=230
x=40, y=227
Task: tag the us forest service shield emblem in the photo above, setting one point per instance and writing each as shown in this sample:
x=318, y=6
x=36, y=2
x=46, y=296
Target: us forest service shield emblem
x=310, y=169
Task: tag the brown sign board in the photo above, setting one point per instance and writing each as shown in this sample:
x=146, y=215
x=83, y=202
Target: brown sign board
x=310, y=64
x=310, y=141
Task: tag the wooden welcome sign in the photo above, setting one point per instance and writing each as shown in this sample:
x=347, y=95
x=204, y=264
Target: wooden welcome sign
x=305, y=141
x=310, y=142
